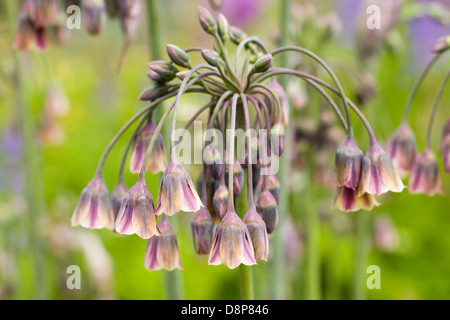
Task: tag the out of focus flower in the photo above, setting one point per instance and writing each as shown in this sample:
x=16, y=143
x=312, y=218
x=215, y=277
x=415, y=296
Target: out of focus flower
x=220, y=200
x=378, y=174
x=386, y=234
x=424, y=176
x=241, y=13
x=347, y=200
x=94, y=14
x=94, y=210
x=117, y=197
x=445, y=146
x=137, y=213
x=258, y=234
x=232, y=244
x=177, y=192
x=203, y=232
x=402, y=149
x=268, y=209
x=162, y=251
x=283, y=99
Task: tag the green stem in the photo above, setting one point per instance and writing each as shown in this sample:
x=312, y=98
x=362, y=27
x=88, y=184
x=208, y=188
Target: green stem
x=246, y=276
x=231, y=153
x=416, y=87
x=361, y=254
x=435, y=105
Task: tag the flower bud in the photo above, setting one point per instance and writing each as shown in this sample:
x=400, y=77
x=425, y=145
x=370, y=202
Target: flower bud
x=177, y=192
x=117, y=197
x=441, y=45
x=220, y=200
x=94, y=15
x=162, y=252
x=152, y=75
x=232, y=243
x=213, y=161
x=274, y=187
x=94, y=210
x=137, y=213
x=224, y=28
x=277, y=139
x=268, y=209
x=211, y=57
x=164, y=69
x=178, y=56
x=348, y=164
x=216, y=4
x=402, y=149
x=237, y=35
x=153, y=92
x=424, y=176
x=238, y=178
x=258, y=234
x=264, y=63
x=203, y=232
x=207, y=21
x=445, y=146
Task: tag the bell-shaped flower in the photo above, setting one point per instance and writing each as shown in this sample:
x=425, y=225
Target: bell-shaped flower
x=117, y=197
x=283, y=99
x=378, y=174
x=162, y=251
x=220, y=200
x=137, y=213
x=258, y=234
x=402, y=149
x=158, y=159
x=203, y=232
x=424, y=176
x=94, y=210
x=232, y=244
x=268, y=209
x=348, y=164
x=177, y=192
x=347, y=200
x=238, y=178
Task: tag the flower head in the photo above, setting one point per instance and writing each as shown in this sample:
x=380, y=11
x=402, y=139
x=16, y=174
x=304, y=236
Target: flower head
x=402, y=149
x=348, y=164
x=158, y=160
x=203, y=232
x=94, y=210
x=232, y=244
x=162, y=251
x=378, y=174
x=425, y=175
x=177, y=192
x=258, y=234
x=137, y=213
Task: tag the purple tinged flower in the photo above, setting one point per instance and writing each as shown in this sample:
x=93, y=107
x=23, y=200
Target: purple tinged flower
x=203, y=232
x=43, y=13
x=232, y=244
x=162, y=252
x=386, y=235
x=118, y=195
x=137, y=213
x=130, y=14
x=277, y=137
x=268, y=209
x=274, y=187
x=213, y=161
x=348, y=164
x=378, y=174
x=258, y=234
x=94, y=14
x=177, y=192
x=158, y=159
x=238, y=178
x=347, y=200
x=402, y=149
x=94, y=210
x=424, y=176
x=284, y=100
x=445, y=146
x=220, y=200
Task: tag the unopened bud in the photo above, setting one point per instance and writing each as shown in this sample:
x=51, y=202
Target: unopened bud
x=178, y=56
x=264, y=63
x=211, y=57
x=237, y=35
x=441, y=45
x=165, y=69
x=268, y=209
x=224, y=27
x=207, y=21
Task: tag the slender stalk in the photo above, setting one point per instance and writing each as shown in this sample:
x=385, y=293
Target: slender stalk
x=435, y=105
x=361, y=255
x=246, y=276
x=31, y=172
x=416, y=87
x=231, y=154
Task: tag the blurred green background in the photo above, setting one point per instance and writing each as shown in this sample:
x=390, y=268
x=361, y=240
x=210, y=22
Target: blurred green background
x=414, y=258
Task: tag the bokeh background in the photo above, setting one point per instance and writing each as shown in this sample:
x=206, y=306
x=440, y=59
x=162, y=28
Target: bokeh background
x=75, y=101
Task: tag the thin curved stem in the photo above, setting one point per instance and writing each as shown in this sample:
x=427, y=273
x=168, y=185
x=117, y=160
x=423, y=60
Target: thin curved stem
x=435, y=106
x=226, y=59
x=251, y=201
x=199, y=112
x=244, y=43
x=330, y=72
x=272, y=96
x=231, y=153
x=217, y=108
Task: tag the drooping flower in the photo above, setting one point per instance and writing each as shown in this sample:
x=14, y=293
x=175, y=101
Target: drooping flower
x=425, y=175
x=402, y=149
x=137, y=213
x=258, y=234
x=220, y=200
x=94, y=14
x=203, y=232
x=158, y=160
x=94, y=210
x=274, y=187
x=177, y=192
x=348, y=164
x=162, y=251
x=118, y=195
x=347, y=200
x=43, y=12
x=238, y=178
x=445, y=146
x=232, y=244
x=213, y=161
x=378, y=174
x=283, y=99
x=268, y=209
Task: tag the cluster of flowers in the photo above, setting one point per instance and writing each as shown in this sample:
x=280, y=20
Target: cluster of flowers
x=39, y=18
x=232, y=88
